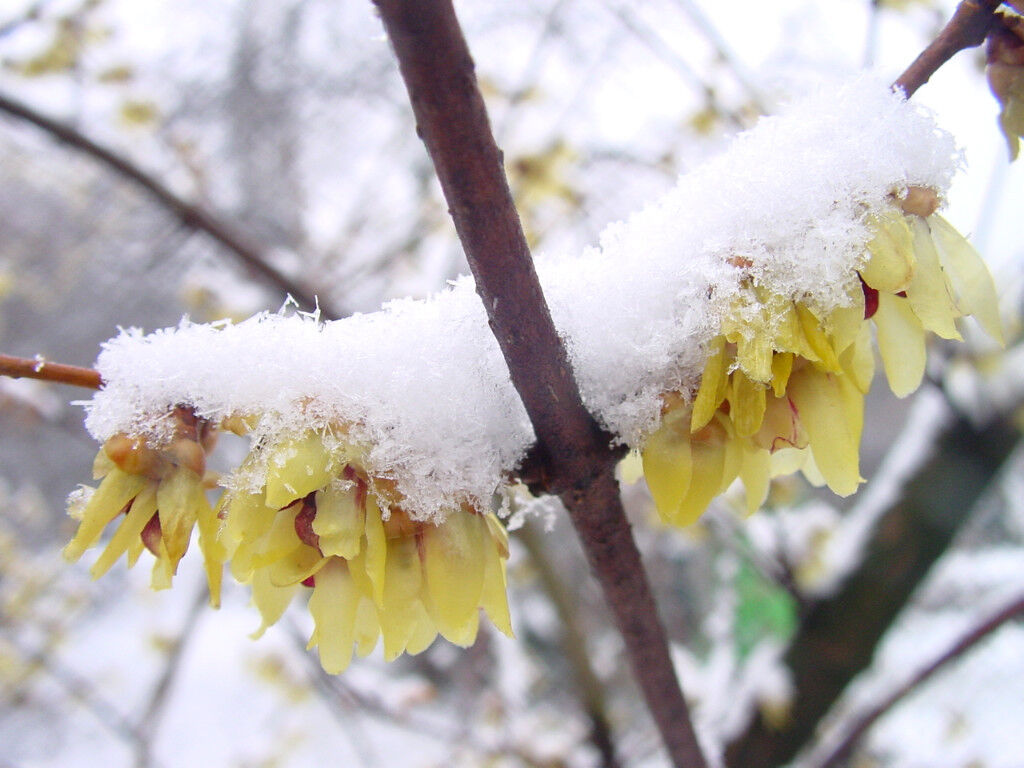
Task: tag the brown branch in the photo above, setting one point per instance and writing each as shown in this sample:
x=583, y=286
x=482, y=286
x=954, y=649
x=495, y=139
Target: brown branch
x=24, y=368
x=966, y=29
x=574, y=645
x=191, y=215
x=967, y=641
x=838, y=636
x=576, y=457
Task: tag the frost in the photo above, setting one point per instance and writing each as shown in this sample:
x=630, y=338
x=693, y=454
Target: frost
x=421, y=386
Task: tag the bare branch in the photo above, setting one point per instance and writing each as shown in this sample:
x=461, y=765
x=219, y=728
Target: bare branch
x=575, y=454
x=838, y=635
x=967, y=29
x=39, y=368
x=967, y=641
x=194, y=216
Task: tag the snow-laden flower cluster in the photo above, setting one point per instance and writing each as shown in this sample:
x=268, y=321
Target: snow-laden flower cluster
x=722, y=331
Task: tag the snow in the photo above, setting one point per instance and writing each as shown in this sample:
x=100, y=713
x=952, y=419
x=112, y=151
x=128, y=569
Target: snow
x=421, y=385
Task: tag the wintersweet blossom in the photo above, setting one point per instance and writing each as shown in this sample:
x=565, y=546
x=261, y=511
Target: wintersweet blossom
x=319, y=521
x=724, y=331
x=159, y=488
x=784, y=386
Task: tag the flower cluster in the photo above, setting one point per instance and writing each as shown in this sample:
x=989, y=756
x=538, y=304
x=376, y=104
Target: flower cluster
x=783, y=387
x=724, y=331
x=317, y=521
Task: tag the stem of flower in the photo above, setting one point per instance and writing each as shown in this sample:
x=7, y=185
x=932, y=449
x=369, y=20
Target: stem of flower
x=966, y=29
x=38, y=368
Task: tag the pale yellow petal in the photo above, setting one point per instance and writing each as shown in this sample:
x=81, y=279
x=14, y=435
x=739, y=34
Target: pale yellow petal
x=333, y=605
x=339, y=521
x=900, y=343
x=891, y=264
x=666, y=462
x=494, y=597
x=140, y=512
x=453, y=560
x=746, y=404
x=403, y=580
x=929, y=291
x=270, y=600
x=821, y=404
x=177, y=507
x=824, y=353
x=973, y=288
x=712, y=385
x=297, y=468
x=105, y=504
x=755, y=472
x=708, y=464
x=782, y=367
x=376, y=549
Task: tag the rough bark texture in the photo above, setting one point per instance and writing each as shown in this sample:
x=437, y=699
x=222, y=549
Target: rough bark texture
x=838, y=637
x=575, y=458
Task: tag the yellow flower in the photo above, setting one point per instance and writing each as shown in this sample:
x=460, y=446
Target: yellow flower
x=783, y=386
x=160, y=491
x=321, y=522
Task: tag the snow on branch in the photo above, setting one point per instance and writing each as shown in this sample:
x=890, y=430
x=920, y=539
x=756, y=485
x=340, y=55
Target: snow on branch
x=421, y=386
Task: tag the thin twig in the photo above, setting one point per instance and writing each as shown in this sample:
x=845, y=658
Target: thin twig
x=194, y=216
x=576, y=457
x=150, y=719
x=574, y=646
x=39, y=368
x=967, y=29
x=967, y=641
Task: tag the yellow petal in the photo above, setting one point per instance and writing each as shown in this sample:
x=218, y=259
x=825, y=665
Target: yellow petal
x=214, y=554
x=367, y=627
x=140, y=512
x=333, y=605
x=297, y=468
x=376, y=549
x=177, y=507
x=339, y=521
x=858, y=360
x=270, y=600
x=822, y=405
x=816, y=338
x=453, y=560
x=295, y=567
x=746, y=404
x=755, y=472
x=666, y=462
x=494, y=598
x=403, y=580
x=891, y=264
x=782, y=367
x=706, y=483
x=424, y=631
x=105, y=504
x=712, y=385
x=929, y=292
x=900, y=343
x=973, y=288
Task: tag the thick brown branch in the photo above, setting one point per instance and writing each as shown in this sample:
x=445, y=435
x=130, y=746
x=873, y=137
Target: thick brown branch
x=838, y=636
x=967, y=29
x=967, y=641
x=24, y=368
x=190, y=214
x=575, y=455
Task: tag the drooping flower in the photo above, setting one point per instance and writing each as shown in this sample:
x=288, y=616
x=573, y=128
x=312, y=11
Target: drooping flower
x=157, y=488
x=320, y=521
x=783, y=386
